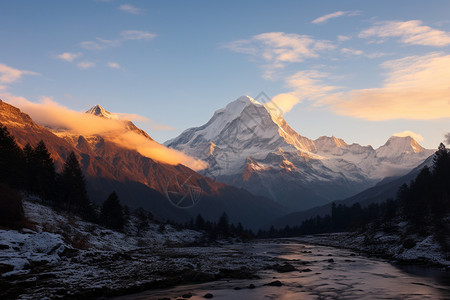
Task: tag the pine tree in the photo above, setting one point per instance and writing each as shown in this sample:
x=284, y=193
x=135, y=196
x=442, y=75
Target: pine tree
x=11, y=208
x=223, y=225
x=199, y=222
x=73, y=189
x=12, y=163
x=41, y=171
x=111, y=213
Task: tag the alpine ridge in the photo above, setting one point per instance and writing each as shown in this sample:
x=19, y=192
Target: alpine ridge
x=250, y=145
x=138, y=180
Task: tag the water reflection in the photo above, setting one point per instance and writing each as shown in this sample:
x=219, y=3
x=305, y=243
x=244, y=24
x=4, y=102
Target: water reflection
x=323, y=273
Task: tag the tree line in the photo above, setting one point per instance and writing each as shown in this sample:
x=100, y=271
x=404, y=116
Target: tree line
x=32, y=170
x=221, y=229
x=424, y=204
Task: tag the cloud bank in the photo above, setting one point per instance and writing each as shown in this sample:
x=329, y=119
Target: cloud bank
x=415, y=88
x=54, y=115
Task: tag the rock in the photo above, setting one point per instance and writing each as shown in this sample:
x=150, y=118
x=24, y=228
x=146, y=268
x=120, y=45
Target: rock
x=409, y=243
x=4, y=268
x=186, y=296
x=196, y=276
x=274, y=283
x=208, y=296
x=165, y=298
x=4, y=247
x=306, y=270
x=331, y=260
x=242, y=273
x=286, y=267
x=237, y=288
x=251, y=286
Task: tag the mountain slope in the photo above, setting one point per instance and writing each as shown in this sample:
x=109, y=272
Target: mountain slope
x=377, y=194
x=248, y=145
x=139, y=180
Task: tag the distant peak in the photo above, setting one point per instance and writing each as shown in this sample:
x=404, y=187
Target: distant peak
x=403, y=143
x=99, y=111
x=330, y=141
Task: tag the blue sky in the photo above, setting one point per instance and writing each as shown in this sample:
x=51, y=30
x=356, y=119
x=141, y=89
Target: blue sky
x=358, y=70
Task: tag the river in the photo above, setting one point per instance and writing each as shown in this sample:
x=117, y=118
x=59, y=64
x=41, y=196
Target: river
x=322, y=273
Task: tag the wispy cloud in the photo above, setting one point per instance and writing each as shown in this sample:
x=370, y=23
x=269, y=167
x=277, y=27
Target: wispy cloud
x=278, y=48
x=84, y=65
x=333, y=15
x=161, y=127
x=343, y=38
x=69, y=56
x=357, y=52
x=409, y=32
x=131, y=9
x=113, y=65
x=126, y=35
x=137, y=35
x=352, y=51
x=308, y=85
x=10, y=75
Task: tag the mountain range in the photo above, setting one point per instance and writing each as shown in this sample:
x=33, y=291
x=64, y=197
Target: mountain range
x=249, y=145
x=138, y=180
x=258, y=167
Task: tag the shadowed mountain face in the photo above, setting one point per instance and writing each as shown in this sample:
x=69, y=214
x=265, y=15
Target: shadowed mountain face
x=379, y=193
x=139, y=180
x=249, y=145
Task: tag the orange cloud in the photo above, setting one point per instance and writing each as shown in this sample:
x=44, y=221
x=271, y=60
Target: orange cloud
x=54, y=115
x=308, y=85
x=416, y=88
x=282, y=103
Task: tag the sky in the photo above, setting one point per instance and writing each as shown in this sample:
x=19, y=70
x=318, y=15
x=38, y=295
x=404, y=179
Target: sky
x=358, y=70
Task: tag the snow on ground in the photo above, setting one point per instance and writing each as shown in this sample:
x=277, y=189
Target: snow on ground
x=426, y=250
x=56, y=232
x=67, y=257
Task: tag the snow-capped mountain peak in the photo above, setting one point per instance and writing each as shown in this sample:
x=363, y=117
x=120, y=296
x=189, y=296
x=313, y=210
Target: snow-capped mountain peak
x=326, y=143
x=99, y=111
x=249, y=145
x=396, y=146
x=234, y=109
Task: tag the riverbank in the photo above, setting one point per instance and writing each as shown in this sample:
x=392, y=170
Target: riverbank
x=63, y=256
x=425, y=250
